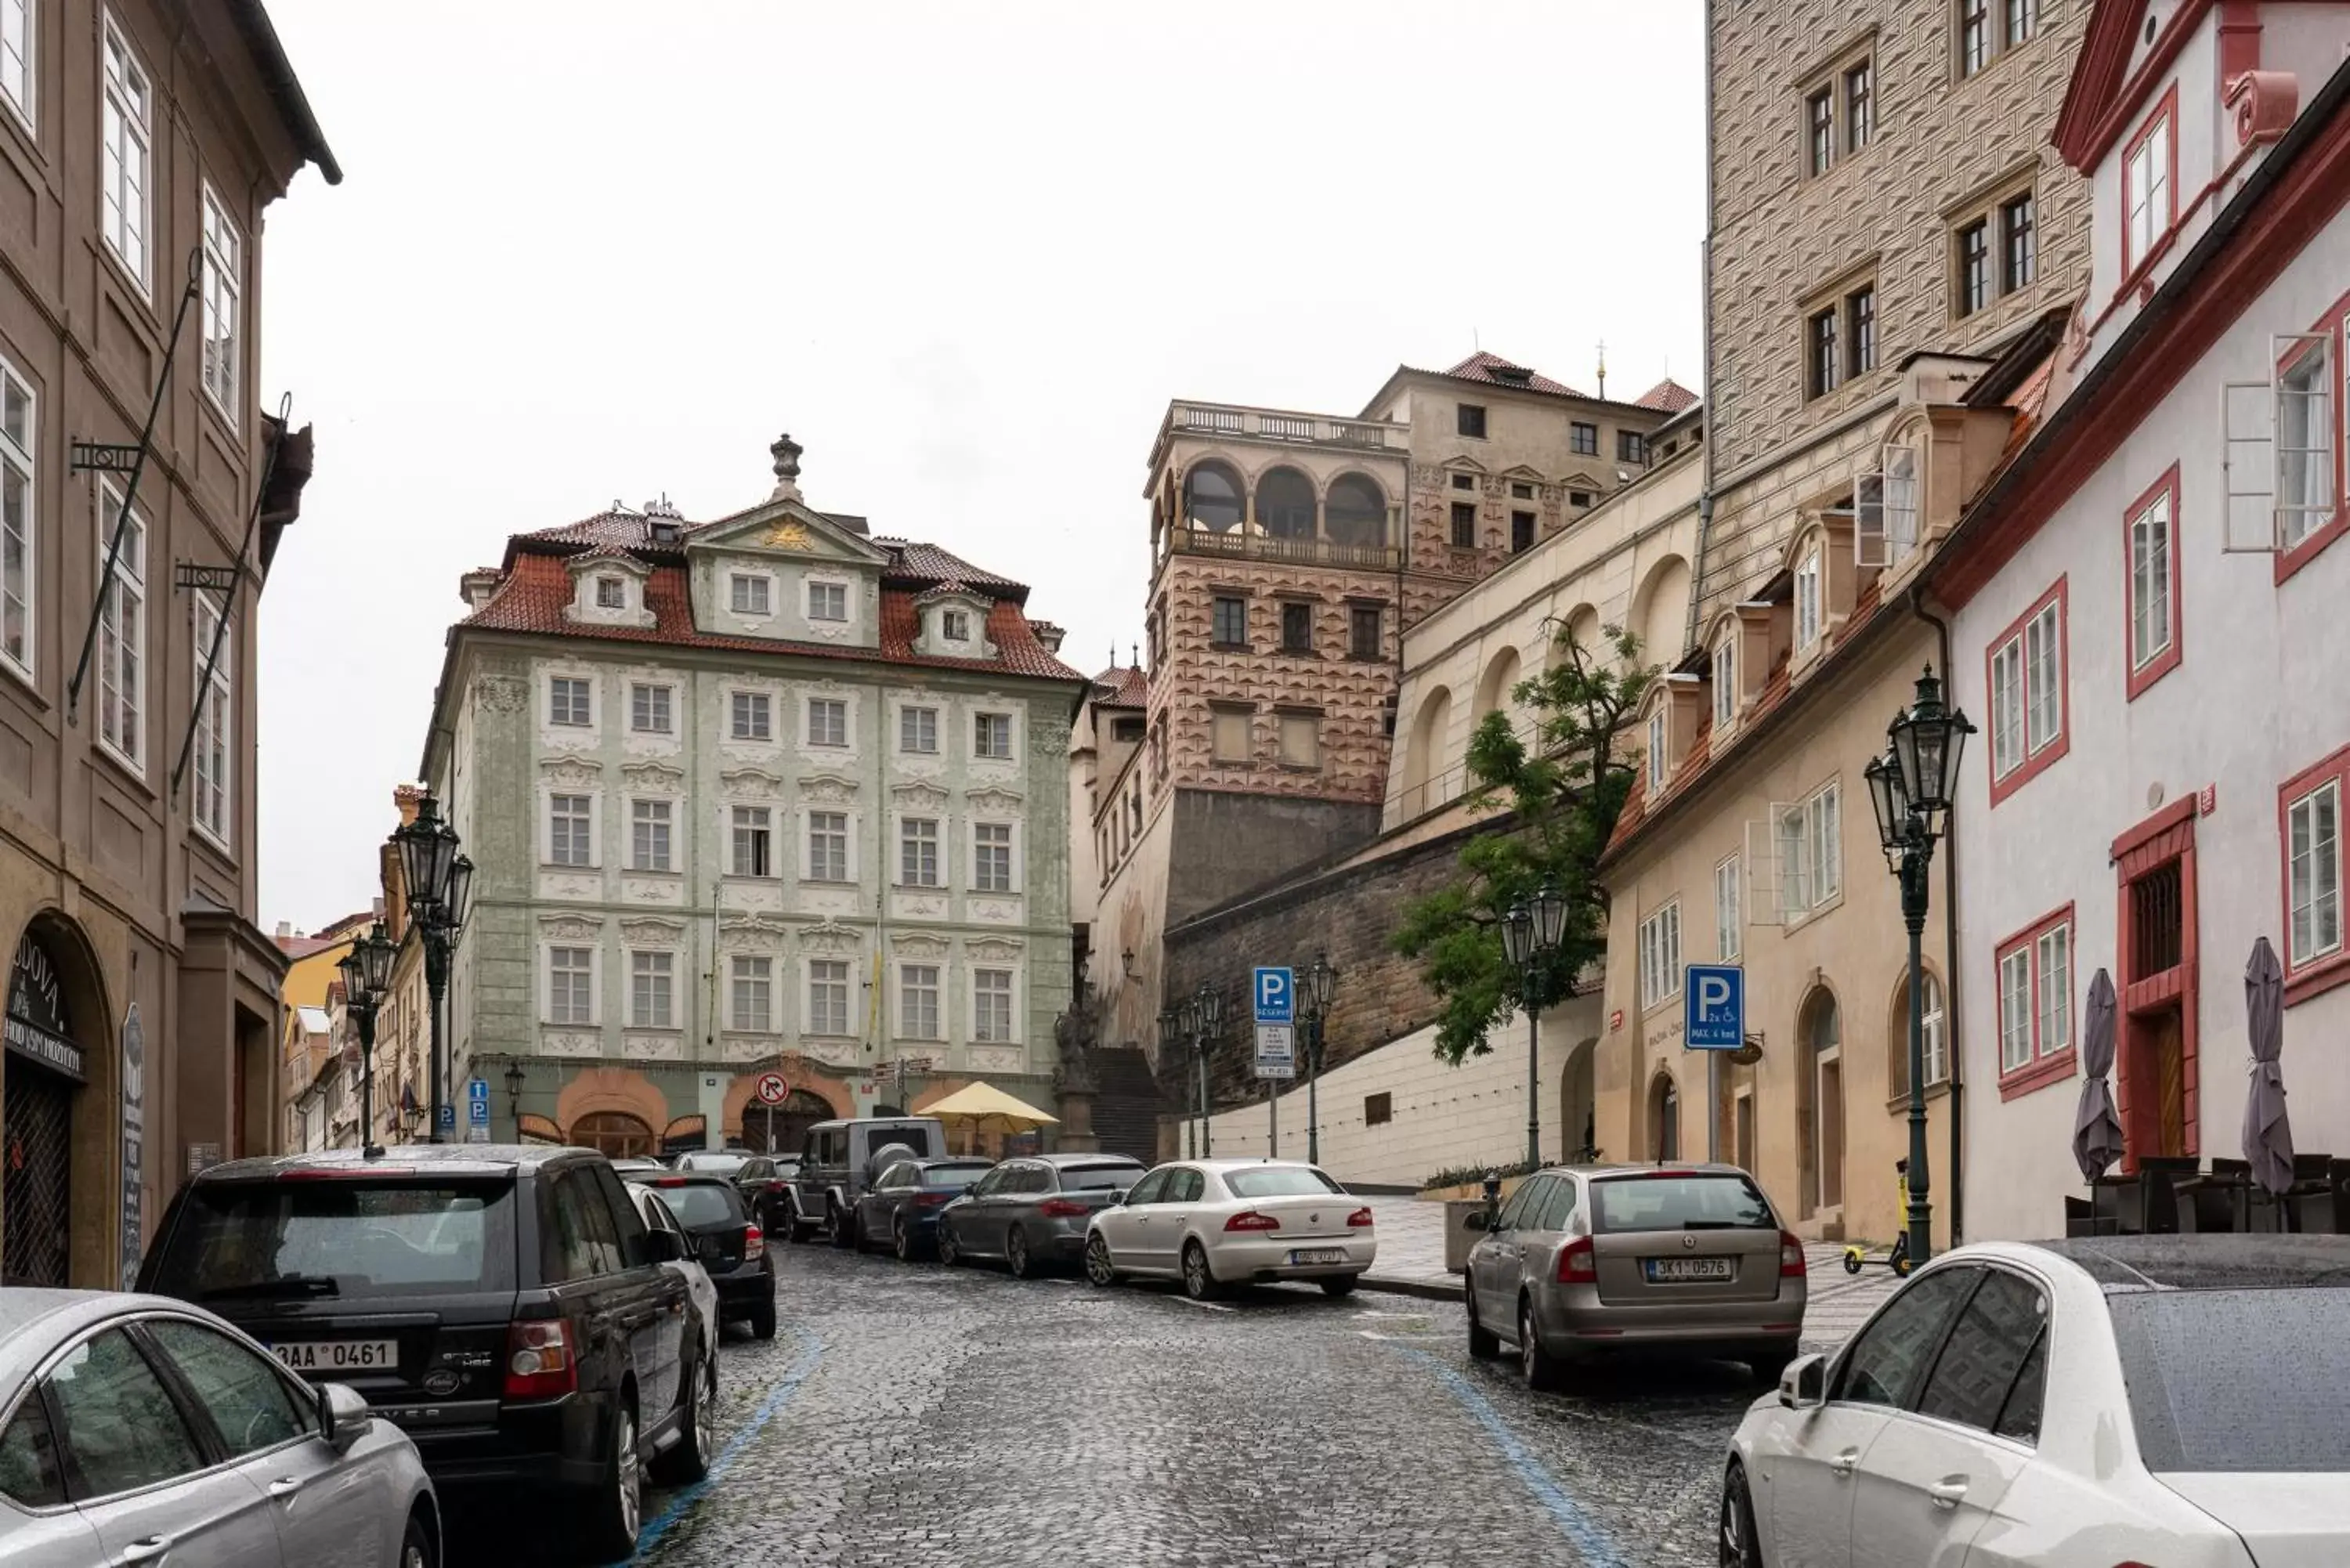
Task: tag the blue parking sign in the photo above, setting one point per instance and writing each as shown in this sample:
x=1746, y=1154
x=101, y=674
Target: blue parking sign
x=1276, y=996
x=1714, y=999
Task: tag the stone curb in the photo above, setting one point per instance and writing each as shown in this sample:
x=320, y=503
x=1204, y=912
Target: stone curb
x=1427, y=1290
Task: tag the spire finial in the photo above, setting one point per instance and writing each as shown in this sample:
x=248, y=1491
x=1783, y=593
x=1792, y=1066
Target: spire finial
x=786, y=453
x=1602, y=370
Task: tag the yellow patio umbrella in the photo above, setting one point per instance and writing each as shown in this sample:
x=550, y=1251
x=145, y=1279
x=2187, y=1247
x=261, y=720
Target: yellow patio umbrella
x=975, y=1105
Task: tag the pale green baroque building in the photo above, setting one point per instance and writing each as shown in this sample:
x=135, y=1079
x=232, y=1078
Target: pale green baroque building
x=762, y=795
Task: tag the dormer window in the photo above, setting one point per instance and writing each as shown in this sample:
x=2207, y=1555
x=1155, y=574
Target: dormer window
x=1725, y=681
x=2147, y=198
x=664, y=531
x=611, y=594
x=1807, y=598
x=1886, y=515
x=1659, y=759
x=954, y=625
x=747, y=593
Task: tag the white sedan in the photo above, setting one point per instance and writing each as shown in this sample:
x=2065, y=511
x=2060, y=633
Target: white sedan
x=2176, y=1400
x=1213, y=1223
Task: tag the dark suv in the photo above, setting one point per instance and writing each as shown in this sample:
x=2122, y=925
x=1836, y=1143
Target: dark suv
x=506, y=1307
x=728, y=1242
x=765, y=1186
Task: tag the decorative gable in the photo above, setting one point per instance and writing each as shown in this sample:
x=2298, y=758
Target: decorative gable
x=608, y=589
x=953, y=623
x=785, y=571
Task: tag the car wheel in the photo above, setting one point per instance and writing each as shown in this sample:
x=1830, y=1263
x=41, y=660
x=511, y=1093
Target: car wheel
x=1770, y=1366
x=795, y=1229
x=615, y=1507
x=763, y=1320
x=1099, y=1269
x=417, y=1548
x=901, y=1240
x=840, y=1227
x=1739, y=1547
x=950, y=1250
x=1199, y=1280
x=1016, y=1254
x=1483, y=1343
x=1541, y=1367
x=698, y=1445
x=1340, y=1285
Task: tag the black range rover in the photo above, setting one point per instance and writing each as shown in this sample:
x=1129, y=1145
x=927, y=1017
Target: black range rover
x=505, y=1306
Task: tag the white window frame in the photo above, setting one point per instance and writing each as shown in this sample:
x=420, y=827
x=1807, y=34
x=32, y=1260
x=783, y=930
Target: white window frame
x=1931, y=1017
x=652, y=976
x=18, y=42
x=819, y=589
x=126, y=154
x=2305, y=446
x=982, y=726
x=20, y=542
x=222, y=291
x=750, y=993
x=808, y=726
x=2146, y=209
x=746, y=827
x=652, y=834
x=1725, y=683
x=2314, y=893
x=548, y=1011
x=1808, y=617
x=122, y=635
x=1659, y=759
x=921, y=853
x=758, y=707
x=212, y=797
x=954, y=626
x=990, y=986
x=555, y=682
x=1808, y=835
x=980, y=880
x=644, y=697
x=2035, y=1016
x=619, y=599
x=1660, y=956
x=548, y=837
x=823, y=822
x=1729, y=927
x=911, y=988
x=823, y=982
x=738, y=590
x=918, y=722
x=2150, y=544
x=2027, y=694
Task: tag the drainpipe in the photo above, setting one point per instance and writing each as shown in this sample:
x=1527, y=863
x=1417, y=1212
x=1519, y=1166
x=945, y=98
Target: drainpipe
x=1955, y=1163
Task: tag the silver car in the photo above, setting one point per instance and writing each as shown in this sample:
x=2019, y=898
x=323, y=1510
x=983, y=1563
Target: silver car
x=136, y=1430
x=1592, y=1261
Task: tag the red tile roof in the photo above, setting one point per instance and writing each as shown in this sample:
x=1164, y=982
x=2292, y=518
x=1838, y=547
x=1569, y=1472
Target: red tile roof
x=1666, y=396
x=1479, y=367
x=1122, y=687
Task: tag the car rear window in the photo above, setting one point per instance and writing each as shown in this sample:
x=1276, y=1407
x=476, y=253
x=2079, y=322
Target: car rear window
x=2236, y=1380
x=1280, y=1181
x=954, y=1175
x=335, y=1236
x=1095, y=1178
x=713, y=1164
x=700, y=1203
x=1725, y=1202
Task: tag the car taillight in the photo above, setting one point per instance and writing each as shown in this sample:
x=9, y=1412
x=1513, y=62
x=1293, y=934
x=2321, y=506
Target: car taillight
x=1250, y=1219
x=931, y=1200
x=1360, y=1219
x=669, y=1181
x=1060, y=1208
x=539, y=1362
x=1576, y=1265
x=753, y=1245
x=1791, y=1256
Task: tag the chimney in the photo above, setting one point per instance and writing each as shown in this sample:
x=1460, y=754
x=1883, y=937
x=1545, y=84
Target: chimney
x=786, y=453
x=478, y=584
x=285, y=930
x=406, y=798
x=1047, y=635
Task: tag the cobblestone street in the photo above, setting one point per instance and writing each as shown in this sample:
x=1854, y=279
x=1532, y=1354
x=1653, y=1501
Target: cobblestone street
x=918, y=1417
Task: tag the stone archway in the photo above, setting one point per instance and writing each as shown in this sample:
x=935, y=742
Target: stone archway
x=1664, y=1117
x=806, y=1077
x=1578, y=1105
x=60, y=1122
x=600, y=1091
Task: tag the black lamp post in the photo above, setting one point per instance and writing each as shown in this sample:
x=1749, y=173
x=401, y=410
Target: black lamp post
x=1910, y=786
x=514, y=1077
x=1171, y=1035
x=1204, y=1011
x=1530, y=936
x=367, y=975
x=1315, y=986
x=440, y=886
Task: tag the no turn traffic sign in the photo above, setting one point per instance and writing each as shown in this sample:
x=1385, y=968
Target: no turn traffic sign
x=772, y=1089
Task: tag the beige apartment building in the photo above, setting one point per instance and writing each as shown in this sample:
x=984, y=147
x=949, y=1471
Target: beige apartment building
x=140, y=145
x=1892, y=241
x=1288, y=551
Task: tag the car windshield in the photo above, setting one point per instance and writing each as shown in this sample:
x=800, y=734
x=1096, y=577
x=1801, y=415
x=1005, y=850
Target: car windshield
x=713, y=1163
x=1280, y=1181
x=1726, y=1201
x=333, y=1236
x=2236, y=1380
x=697, y=1204
x=1096, y=1177
x=954, y=1175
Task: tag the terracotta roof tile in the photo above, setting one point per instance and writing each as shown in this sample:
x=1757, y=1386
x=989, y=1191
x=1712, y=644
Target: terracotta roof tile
x=1481, y=366
x=1667, y=396
x=1122, y=687
x=913, y=564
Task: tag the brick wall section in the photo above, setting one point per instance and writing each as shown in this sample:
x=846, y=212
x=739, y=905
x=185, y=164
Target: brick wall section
x=1778, y=235
x=1350, y=914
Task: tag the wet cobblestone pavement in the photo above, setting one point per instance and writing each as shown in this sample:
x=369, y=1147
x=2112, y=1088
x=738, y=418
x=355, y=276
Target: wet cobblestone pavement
x=910, y=1417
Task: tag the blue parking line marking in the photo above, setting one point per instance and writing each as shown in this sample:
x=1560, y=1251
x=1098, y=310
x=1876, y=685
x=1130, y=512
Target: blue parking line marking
x=802, y=1366
x=1592, y=1544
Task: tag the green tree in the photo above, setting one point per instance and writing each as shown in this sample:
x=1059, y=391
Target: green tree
x=1564, y=783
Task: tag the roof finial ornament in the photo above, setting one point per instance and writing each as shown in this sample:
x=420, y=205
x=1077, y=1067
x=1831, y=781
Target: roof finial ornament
x=786, y=453
x=1602, y=370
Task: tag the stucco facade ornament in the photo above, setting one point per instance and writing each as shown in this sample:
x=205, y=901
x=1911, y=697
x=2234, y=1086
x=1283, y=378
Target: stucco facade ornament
x=569, y=928
x=920, y=906
x=830, y=938
x=570, y=885
x=652, y=933
x=828, y=789
x=993, y=950
x=1049, y=733
x=994, y=802
x=500, y=694
x=569, y=1043
x=997, y=1058
x=653, y=889
x=917, y=794
x=745, y=1047
x=652, y=777
x=757, y=931
x=919, y=945
x=832, y=1053
x=994, y=911
x=751, y=783
x=653, y=1047
x=571, y=771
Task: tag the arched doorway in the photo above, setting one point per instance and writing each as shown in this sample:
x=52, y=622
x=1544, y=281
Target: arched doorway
x=616, y=1135
x=1821, y=1133
x=1665, y=1117
x=45, y=1074
x=1579, y=1106
x=783, y=1130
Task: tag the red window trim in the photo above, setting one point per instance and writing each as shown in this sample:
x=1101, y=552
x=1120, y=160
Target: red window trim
x=2133, y=268
x=2332, y=326
x=2023, y=773
x=2302, y=981
x=2041, y=1070
x=2163, y=663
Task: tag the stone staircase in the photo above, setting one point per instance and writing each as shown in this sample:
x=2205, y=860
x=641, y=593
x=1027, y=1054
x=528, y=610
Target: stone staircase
x=1126, y=1109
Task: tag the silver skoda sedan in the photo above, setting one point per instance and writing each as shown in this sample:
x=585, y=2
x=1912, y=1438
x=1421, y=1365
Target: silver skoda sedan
x=135, y=1429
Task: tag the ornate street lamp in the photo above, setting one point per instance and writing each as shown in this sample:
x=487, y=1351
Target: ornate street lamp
x=1205, y=1012
x=1909, y=789
x=367, y=976
x=1530, y=938
x=440, y=890
x=1315, y=988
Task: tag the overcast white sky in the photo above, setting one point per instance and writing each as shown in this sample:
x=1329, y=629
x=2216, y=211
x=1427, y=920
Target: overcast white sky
x=965, y=253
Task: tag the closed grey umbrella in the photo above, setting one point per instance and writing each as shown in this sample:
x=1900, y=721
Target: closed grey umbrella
x=2096, y=1130
x=2268, y=1135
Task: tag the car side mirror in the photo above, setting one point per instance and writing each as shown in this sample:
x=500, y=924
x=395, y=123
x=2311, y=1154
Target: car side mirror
x=663, y=1247
x=343, y=1415
x=1118, y=1197
x=1477, y=1220
x=968, y=1188
x=1804, y=1386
